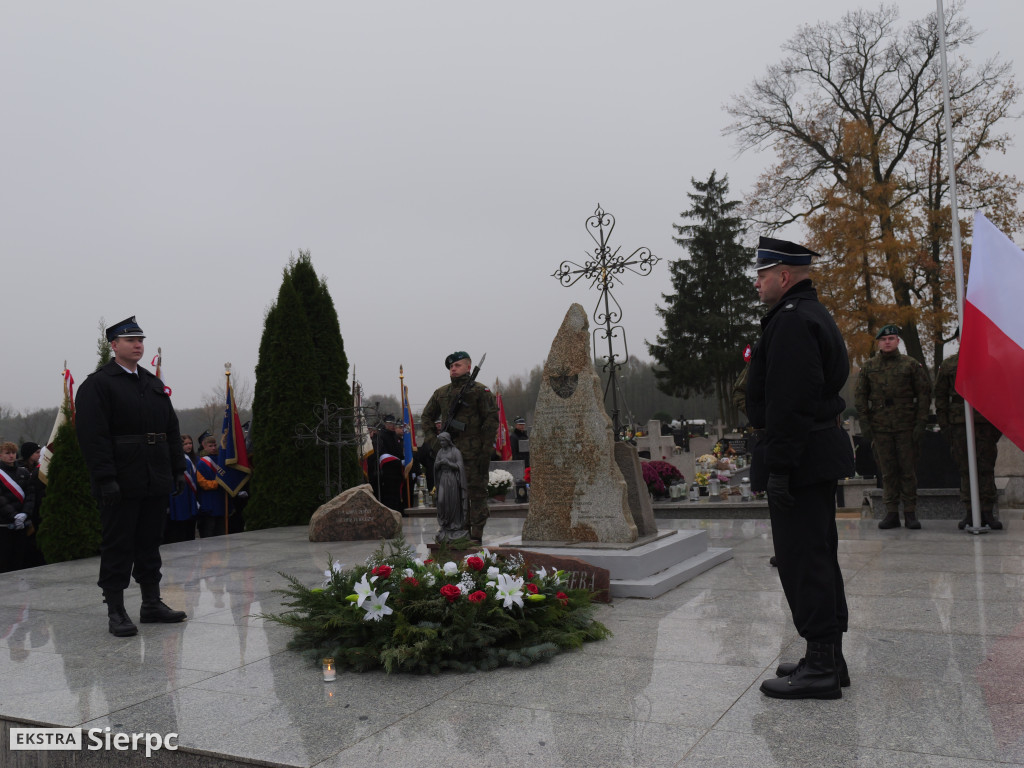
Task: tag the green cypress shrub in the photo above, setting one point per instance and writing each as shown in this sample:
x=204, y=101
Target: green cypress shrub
x=69, y=526
x=287, y=478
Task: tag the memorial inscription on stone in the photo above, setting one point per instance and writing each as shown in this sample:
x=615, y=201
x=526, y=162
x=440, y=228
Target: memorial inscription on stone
x=576, y=573
x=577, y=492
x=354, y=515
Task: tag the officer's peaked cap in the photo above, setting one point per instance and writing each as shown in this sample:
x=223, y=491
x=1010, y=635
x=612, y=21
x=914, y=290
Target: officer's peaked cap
x=519, y=420
x=771, y=252
x=127, y=327
x=454, y=357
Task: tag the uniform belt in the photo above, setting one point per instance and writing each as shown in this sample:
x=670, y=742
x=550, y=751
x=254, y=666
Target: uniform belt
x=820, y=425
x=150, y=438
x=893, y=401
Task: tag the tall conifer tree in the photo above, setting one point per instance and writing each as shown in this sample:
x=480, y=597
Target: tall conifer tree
x=711, y=316
x=301, y=362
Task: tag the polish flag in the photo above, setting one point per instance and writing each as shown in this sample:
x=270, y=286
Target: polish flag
x=991, y=366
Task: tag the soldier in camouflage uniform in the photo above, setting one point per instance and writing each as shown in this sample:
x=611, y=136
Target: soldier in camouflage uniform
x=478, y=416
x=893, y=397
x=949, y=409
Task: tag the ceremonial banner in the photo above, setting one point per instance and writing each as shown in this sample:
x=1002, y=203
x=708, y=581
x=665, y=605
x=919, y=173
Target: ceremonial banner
x=502, y=443
x=235, y=469
x=46, y=454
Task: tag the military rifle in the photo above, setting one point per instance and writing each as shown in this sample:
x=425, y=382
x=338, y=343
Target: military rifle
x=450, y=421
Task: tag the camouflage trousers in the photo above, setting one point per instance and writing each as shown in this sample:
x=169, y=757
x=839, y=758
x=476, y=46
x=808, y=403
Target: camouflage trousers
x=477, y=467
x=986, y=438
x=896, y=456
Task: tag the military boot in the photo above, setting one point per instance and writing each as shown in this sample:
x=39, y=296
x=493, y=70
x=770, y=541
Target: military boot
x=988, y=518
x=815, y=677
x=118, y=622
x=965, y=520
x=153, y=608
x=891, y=519
x=910, y=518
x=789, y=667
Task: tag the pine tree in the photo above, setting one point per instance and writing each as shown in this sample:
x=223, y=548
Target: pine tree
x=711, y=316
x=69, y=527
x=301, y=363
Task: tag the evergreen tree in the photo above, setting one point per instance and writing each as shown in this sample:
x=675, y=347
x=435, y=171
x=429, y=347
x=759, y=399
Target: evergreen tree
x=331, y=364
x=301, y=362
x=102, y=346
x=711, y=316
x=69, y=525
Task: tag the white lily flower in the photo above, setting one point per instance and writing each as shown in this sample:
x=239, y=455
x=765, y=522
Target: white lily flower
x=337, y=566
x=542, y=573
x=450, y=568
x=510, y=590
x=375, y=607
x=485, y=555
x=363, y=589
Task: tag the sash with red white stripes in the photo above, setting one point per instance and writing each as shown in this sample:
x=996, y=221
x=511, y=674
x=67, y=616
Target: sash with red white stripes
x=11, y=485
x=188, y=475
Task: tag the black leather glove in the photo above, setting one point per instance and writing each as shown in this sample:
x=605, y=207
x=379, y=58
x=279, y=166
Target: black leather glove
x=179, y=485
x=779, y=496
x=111, y=493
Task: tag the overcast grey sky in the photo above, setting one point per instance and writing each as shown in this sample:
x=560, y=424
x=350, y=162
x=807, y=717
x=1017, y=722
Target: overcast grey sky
x=438, y=159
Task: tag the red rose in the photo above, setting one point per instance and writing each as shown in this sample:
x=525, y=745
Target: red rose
x=529, y=574
x=382, y=570
x=531, y=588
x=476, y=563
x=428, y=560
x=451, y=592
x=562, y=598
x=477, y=597
x=411, y=581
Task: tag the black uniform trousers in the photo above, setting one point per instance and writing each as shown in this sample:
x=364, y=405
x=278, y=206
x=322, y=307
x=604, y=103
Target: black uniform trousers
x=132, y=532
x=806, y=551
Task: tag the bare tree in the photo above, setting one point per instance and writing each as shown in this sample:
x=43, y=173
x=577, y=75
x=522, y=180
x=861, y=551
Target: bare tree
x=854, y=116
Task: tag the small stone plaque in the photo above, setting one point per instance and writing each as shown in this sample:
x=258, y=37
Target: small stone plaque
x=354, y=515
x=578, y=573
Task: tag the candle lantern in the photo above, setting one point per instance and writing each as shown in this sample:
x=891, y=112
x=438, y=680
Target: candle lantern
x=330, y=672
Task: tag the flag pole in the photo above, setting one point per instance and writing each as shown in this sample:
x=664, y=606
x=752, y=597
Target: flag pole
x=958, y=266
x=401, y=392
x=227, y=499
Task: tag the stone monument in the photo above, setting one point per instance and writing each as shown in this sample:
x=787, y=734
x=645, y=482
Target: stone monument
x=354, y=515
x=577, y=492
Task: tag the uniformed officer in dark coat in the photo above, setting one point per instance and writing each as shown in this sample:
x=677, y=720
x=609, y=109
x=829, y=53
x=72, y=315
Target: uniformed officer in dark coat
x=519, y=433
x=473, y=429
x=797, y=369
x=132, y=445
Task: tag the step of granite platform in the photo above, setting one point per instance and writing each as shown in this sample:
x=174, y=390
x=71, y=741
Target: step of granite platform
x=643, y=569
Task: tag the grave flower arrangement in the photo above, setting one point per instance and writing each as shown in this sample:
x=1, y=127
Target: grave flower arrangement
x=658, y=475
x=499, y=482
x=404, y=614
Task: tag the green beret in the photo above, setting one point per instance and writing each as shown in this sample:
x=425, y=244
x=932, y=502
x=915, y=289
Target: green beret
x=455, y=357
x=888, y=330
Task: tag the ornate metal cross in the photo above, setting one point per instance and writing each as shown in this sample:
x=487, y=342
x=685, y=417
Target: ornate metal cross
x=603, y=271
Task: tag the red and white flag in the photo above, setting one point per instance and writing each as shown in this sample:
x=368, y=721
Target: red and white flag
x=69, y=398
x=991, y=366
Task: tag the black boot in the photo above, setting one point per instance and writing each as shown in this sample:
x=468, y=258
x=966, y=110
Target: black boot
x=988, y=518
x=965, y=520
x=891, y=519
x=153, y=608
x=910, y=519
x=815, y=677
x=789, y=667
x=118, y=622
